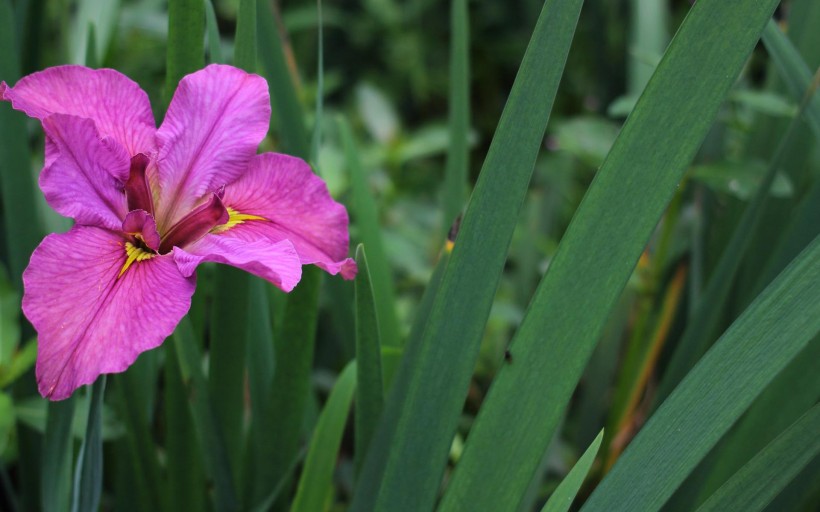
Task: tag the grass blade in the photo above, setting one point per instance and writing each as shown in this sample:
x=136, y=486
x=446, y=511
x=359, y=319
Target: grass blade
x=583, y=283
x=563, y=496
x=57, y=455
x=186, y=33
x=406, y=461
x=212, y=28
x=776, y=465
x=369, y=390
x=184, y=468
x=717, y=391
x=289, y=115
x=794, y=71
x=16, y=182
x=366, y=216
x=702, y=328
x=315, y=485
x=89, y=472
x=208, y=429
x=455, y=177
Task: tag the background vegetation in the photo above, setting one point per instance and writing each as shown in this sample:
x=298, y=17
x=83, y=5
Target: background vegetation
x=639, y=254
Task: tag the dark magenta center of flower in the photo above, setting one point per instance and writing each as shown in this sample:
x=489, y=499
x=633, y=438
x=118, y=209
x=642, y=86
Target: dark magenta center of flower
x=195, y=225
x=140, y=227
x=137, y=190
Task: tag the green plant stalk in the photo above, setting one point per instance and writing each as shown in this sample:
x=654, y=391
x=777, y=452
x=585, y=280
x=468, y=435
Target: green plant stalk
x=564, y=320
x=406, y=460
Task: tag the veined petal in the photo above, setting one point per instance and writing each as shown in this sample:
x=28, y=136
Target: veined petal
x=116, y=104
x=215, y=122
x=290, y=203
x=84, y=179
x=276, y=262
x=90, y=321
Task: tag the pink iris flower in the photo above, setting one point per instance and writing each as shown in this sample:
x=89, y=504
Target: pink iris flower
x=151, y=204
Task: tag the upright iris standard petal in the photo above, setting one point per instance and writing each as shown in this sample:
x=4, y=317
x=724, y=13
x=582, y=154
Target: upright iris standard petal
x=279, y=198
x=275, y=261
x=85, y=178
x=116, y=104
x=215, y=122
x=89, y=319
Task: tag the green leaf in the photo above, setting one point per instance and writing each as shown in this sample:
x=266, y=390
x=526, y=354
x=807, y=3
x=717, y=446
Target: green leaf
x=584, y=280
x=587, y=138
x=286, y=107
x=89, y=472
x=87, y=45
x=369, y=390
x=212, y=28
x=795, y=72
x=245, y=48
x=184, y=473
x=406, y=460
x=704, y=323
x=9, y=324
x=764, y=102
x=366, y=216
x=776, y=465
x=316, y=484
x=740, y=179
x=228, y=342
x=186, y=34
x=16, y=181
x=563, y=496
x=290, y=389
x=456, y=171
x=206, y=423
x=7, y=419
x=758, y=345
x=57, y=456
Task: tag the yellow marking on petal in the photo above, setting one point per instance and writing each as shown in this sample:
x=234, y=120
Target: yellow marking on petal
x=134, y=254
x=234, y=219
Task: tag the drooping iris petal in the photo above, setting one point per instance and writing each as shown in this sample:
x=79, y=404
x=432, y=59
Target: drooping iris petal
x=84, y=180
x=116, y=104
x=295, y=205
x=90, y=321
x=276, y=262
x=217, y=118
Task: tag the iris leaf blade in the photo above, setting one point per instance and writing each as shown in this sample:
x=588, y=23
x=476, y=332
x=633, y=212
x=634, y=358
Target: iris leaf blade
x=315, y=485
x=89, y=472
x=758, y=345
x=406, y=460
x=562, y=497
x=565, y=318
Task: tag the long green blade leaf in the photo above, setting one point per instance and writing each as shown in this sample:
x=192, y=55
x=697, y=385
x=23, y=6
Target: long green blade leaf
x=572, y=303
x=89, y=473
x=455, y=178
x=717, y=391
x=405, y=464
x=563, y=496
x=776, y=465
x=57, y=455
x=186, y=33
x=315, y=486
x=796, y=74
x=208, y=429
x=369, y=390
x=366, y=216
